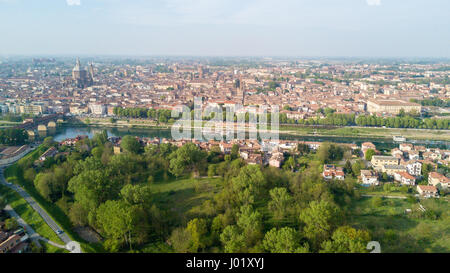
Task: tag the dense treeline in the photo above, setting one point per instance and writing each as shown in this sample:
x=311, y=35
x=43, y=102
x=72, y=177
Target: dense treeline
x=162, y=115
x=433, y=102
x=12, y=136
x=14, y=117
x=403, y=120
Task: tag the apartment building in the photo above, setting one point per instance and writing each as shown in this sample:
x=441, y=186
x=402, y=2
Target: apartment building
x=392, y=106
x=378, y=161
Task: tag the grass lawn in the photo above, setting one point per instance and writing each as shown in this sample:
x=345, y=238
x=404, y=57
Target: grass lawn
x=29, y=215
x=379, y=191
x=52, y=249
x=181, y=196
x=371, y=132
x=400, y=232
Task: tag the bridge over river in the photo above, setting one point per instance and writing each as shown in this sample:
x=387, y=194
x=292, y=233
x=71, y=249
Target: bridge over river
x=40, y=123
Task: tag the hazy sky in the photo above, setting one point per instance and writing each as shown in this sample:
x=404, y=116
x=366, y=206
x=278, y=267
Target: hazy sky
x=373, y=28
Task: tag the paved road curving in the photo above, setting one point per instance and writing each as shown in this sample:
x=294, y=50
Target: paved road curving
x=33, y=235
x=384, y=196
x=50, y=222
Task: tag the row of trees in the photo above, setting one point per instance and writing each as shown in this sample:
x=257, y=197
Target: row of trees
x=403, y=120
x=162, y=115
x=12, y=136
x=433, y=102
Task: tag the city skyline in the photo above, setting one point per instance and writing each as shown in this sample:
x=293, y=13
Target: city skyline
x=356, y=28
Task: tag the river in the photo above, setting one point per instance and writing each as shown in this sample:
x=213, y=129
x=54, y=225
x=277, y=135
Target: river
x=69, y=131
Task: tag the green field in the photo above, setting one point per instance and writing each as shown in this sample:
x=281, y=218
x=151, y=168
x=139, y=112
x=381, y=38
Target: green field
x=182, y=196
x=398, y=231
x=52, y=249
x=371, y=132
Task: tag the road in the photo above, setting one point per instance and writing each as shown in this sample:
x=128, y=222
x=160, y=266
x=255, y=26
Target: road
x=33, y=235
x=29, y=230
x=50, y=222
x=384, y=196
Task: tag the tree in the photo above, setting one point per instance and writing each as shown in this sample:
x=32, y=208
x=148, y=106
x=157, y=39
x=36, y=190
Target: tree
x=426, y=169
x=29, y=174
x=136, y=194
x=116, y=220
x=369, y=154
x=78, y=215
x=44, y=184
x=234, y=151
x=249, y=184
x=250, y=222
x=11, y=223
x=48, y=142
x=130, y=144
x=188, y=157
x=346, y=239
x=3, y=203
x=357, y=167
x=303, y=149
x=280, y=202
x=101, y=138
x=290, y=163
x=320, y=219
x=232, y=239
x=92, y=187
x=329, y=152
x=285, y=240
x=198, y=230
x=180, y=240
x=348, y=167
x=12, y=136
x=97, y=152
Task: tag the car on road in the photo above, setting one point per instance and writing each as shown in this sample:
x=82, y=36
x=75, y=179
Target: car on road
x=59, y=232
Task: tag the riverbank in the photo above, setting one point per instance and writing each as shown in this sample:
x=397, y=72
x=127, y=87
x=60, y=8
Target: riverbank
x=355, y=132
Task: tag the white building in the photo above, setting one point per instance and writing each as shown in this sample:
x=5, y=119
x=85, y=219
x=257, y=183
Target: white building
x=369, y=177
x=414, y=168
x=97, y=109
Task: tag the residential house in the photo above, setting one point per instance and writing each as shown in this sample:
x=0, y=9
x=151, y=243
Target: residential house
x=427, y=191
x=406, y=147
x=396, y=152
x=276, y=160
x=369, y=177
x=405, y=178
x=413, y=155
x=431, y=156
x=435, y=179
x=13, y=244
x=225, y=147
x=254, y=159
x=51, y=152
x=391, y=170
x=333, y=172
x=414, y=167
